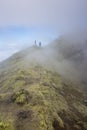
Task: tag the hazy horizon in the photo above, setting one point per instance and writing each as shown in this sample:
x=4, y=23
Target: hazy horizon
x=22, y=22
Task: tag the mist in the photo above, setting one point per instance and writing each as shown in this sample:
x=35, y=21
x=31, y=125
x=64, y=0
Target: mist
x=67, y=19
x=22, y=22
x=66, y=56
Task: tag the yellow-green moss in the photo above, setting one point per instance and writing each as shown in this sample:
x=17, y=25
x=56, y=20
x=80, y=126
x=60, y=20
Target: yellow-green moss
x=80, y=107
x=57, y=117
x=21, y=99
x=6, y=126
x=43, y=96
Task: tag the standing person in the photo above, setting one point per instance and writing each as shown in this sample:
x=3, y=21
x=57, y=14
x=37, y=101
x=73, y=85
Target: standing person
x=35, y=43
x=39, y=44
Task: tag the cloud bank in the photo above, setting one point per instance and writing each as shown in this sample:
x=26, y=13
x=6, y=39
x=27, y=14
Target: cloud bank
x=59, y=14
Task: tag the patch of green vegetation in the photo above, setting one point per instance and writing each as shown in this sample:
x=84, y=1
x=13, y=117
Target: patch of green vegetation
x=18, y=84
x=20, y=97
x=85, y=125
x=2, y=96
x=6, y=126
x=82, y=124
x=58, y=119
x=80, y=108
x=3, y=125
x=46, y=95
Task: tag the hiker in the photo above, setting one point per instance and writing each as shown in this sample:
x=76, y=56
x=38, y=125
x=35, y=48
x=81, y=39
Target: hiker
x=35, y=43
x=39, y=44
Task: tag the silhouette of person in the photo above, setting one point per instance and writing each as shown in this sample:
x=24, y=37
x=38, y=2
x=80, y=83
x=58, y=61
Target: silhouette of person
x=39, y=44
x=35, y=43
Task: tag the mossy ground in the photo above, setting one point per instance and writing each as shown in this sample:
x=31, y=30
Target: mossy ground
x=37, y=99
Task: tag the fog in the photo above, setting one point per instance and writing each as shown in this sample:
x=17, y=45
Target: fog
x=62, y=15
x=20, y=21
x=66, y=55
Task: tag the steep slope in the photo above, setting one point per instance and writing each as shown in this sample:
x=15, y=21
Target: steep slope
x=71, y=50
x=33, y=97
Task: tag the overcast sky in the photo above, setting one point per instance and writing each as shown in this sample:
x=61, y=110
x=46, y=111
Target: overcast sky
x=46, y=19
x=54, y=13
